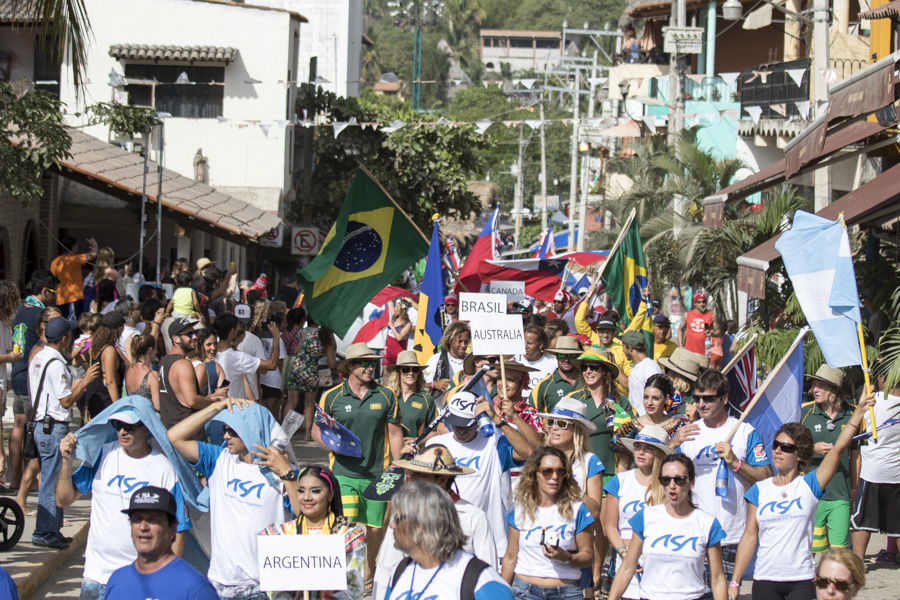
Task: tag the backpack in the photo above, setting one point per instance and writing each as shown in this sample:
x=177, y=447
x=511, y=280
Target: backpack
x=470, y=576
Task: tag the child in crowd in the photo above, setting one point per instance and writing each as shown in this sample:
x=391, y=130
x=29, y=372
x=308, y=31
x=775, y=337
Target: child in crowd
x=716, y=335
x=87, y=323
x=184, y=302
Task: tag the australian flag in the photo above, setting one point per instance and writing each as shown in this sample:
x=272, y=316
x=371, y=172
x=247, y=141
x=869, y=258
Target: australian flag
x=336, y=437
x=742, y=380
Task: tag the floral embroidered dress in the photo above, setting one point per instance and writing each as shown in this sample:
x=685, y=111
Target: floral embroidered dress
x=354, y=544
x=304, y=374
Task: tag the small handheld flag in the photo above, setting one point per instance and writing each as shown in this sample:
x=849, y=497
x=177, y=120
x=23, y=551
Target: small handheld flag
x=336, y=437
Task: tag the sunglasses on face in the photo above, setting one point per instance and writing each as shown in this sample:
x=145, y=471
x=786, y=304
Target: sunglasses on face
x=407, y=370
x=558, y=423
x=785, y=447
x=839, y=584
x=189, y=334
x=226, y=430
x=120, y=426
x=547, y=473
x=680, y=480
x=708, y=399
x=366, y=364
x=591, y=367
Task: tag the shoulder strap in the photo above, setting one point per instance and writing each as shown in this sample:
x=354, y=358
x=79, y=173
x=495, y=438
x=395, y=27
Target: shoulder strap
x=470, y=578
x=399, y=571
x=37, y=400
x=212, y=377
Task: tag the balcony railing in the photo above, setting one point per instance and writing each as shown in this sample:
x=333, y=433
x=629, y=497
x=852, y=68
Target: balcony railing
x=768, y=85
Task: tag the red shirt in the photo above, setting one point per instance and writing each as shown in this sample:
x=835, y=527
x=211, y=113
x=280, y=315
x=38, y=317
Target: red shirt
x=695, y=335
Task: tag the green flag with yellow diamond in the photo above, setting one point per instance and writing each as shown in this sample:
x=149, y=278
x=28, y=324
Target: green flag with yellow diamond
x=625, y=276
x=369, y=246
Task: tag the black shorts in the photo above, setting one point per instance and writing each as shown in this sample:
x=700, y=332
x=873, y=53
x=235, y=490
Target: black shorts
x=270, y=393
x=877, y=508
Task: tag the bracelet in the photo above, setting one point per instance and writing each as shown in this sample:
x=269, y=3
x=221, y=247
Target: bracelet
x=734, y=584
x=618, y=548
x=740, y=464
x=856, y=426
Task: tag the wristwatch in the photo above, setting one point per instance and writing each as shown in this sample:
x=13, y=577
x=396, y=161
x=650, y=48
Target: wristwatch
x=292, y=475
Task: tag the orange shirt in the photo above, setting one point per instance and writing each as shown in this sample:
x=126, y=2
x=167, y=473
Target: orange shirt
x=67, y=269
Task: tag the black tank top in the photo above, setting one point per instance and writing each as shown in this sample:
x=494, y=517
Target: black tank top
x=171, y=411
x=96, y=394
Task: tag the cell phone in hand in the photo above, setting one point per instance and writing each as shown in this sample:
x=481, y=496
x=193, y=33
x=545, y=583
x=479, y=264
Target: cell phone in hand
x=225, y=384
x=549, y=538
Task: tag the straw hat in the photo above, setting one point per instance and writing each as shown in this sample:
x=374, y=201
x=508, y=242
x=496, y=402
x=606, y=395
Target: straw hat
x=833, y=377
x=597, y=354
x=407, y=358
x=434, y=460
x=356, y=352
x=702, y=361
x=570, y=409
x=682, y=362
x=652, y=435
x=566, y=344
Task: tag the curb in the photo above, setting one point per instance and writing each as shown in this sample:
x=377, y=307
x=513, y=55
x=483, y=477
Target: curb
x=42, y=572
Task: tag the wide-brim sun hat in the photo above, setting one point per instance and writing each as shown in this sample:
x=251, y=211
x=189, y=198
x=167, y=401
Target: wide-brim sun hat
x=359, y=351
x=570, y=409
x=566, y=344
x=652, y=435
x=434, y=460
x=595, y=354
x=682, y=363
x=407, y=358
x=508, y=363
x=832, y=377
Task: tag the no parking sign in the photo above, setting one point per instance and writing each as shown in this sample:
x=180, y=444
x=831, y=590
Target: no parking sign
x=305, y=240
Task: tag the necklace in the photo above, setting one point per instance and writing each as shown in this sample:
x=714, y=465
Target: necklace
x=413, y=580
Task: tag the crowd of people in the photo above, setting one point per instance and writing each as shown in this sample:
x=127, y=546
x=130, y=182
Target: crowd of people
x=589, y=466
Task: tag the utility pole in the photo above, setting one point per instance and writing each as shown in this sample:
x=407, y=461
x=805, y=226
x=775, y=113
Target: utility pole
x=417, y=57
x=582, y=210
x=520, y=183
x=573, y=180
x=593, y=87
x=821, y=42
x=543, y=170
x=676, y=75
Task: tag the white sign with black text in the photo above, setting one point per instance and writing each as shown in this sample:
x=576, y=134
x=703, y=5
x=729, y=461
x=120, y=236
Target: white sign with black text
x=473, y=305
x=514, y=290
x=497, y=334
x=294, y=563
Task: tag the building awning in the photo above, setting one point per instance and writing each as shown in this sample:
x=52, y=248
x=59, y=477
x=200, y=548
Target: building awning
x=18, y=11
x=870, y=201
x=189, y=54
x=862, y=131
x=117, y=172
x=891, y=9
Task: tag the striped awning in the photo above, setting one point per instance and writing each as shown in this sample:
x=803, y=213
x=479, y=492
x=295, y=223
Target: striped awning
x=190, y=54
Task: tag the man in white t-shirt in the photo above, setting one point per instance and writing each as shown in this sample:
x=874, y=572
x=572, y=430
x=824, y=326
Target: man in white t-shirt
x=129, y=310
x=240, y=366
x=441, y=367
x=491, y=458
x=746, y=459
x=536, y=341
x=635, y=349
x=436, y=465
x=877, y=504
x=244, y=498
x=427, y=528
x=123, y=467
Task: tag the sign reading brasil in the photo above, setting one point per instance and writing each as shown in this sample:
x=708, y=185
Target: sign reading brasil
x=472, y=305
x=293, y=563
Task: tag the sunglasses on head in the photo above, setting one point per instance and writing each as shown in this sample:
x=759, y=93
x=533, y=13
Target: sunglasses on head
x=120, y=426
x=839, y=584
x=707, y=398
x=547, y=473
x=410, y=369
x=680, y=480
x=226, y=430
x=558, y=423
x=592, y=366
x=785, y=447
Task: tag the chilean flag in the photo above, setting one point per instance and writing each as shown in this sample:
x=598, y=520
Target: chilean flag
x=543, y=278
x=483, y=249
x=376, y=314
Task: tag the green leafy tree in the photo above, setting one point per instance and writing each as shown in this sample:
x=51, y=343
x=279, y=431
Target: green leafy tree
x=461, y=21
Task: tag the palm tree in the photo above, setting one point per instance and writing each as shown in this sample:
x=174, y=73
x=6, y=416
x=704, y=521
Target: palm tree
x=461, y=24
x=64, y=21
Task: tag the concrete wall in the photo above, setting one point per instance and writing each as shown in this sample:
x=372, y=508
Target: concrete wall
x=20, y=44
x=334, y=36
x=241, y=155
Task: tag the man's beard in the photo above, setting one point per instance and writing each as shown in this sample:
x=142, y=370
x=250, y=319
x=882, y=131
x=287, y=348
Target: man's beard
x=185, y=345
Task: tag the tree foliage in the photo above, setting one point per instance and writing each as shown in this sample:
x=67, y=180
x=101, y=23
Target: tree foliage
x=34, y=138
x=122, y=118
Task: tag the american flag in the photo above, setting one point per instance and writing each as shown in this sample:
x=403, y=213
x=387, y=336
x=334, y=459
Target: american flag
x=742, y=379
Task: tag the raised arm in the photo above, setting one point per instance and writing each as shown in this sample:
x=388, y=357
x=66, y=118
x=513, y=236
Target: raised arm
x=182, y=434
x=832, y=460
x=521, y=448
x=271, y=362
x=66, y=492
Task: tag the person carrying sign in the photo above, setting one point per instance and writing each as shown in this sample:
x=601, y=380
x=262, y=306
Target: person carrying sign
x=321, y=513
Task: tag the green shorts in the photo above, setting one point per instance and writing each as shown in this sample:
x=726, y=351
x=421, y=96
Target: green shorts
x=606, y=479
x=832, y=525
x=358, y=509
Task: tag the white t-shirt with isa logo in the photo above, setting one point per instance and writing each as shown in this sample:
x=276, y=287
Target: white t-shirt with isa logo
x=674, y=551
x=242, y=503
x=730, y=510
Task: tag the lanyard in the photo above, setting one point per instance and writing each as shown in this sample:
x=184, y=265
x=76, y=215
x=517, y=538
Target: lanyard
x=413, y=580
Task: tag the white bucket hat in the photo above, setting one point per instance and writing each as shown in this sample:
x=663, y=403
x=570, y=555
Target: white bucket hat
x=570, y=409
x=652, y=435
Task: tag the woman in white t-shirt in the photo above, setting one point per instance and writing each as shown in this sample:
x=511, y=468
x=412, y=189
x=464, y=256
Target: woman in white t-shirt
x=674, y=538
x=629, y=492
x=781, y=513
x=549, y=531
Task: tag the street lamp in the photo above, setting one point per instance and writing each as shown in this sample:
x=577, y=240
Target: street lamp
x=732, y=10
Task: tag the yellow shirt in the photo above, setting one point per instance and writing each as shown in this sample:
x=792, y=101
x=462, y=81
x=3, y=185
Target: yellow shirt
x=622, y=361
x=663, y=350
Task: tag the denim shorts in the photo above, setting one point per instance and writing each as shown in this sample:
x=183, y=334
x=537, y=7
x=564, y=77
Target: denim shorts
x=530, y=591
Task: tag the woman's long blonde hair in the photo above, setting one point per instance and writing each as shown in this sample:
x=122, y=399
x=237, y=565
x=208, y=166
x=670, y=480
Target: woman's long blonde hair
x=656, y=493
x=393, y=382
x=105, y=259
x=582, y=443
x=528, y=494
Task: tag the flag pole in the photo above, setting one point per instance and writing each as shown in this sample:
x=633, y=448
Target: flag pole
x=740, y=354
x=765, y=384
x=618, y=243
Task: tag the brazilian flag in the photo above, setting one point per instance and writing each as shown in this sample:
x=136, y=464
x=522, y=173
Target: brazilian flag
x=369, y=246
x=625, y=276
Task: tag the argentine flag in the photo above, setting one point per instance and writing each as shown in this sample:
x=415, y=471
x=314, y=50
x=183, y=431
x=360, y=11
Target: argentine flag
x=816, y=254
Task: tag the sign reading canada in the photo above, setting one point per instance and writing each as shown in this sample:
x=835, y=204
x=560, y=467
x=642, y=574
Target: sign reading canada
x=294, y=563
x=514, y=290
x=472, y=305
x=497, y=334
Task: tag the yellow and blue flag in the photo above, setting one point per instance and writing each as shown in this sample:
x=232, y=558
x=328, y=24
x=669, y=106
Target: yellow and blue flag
x=428, y=322
x=625, y=277
x=369, y=246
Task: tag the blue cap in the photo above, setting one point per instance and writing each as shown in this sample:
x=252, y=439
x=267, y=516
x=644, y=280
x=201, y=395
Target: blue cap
x=56, y=329
x=662, y=320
